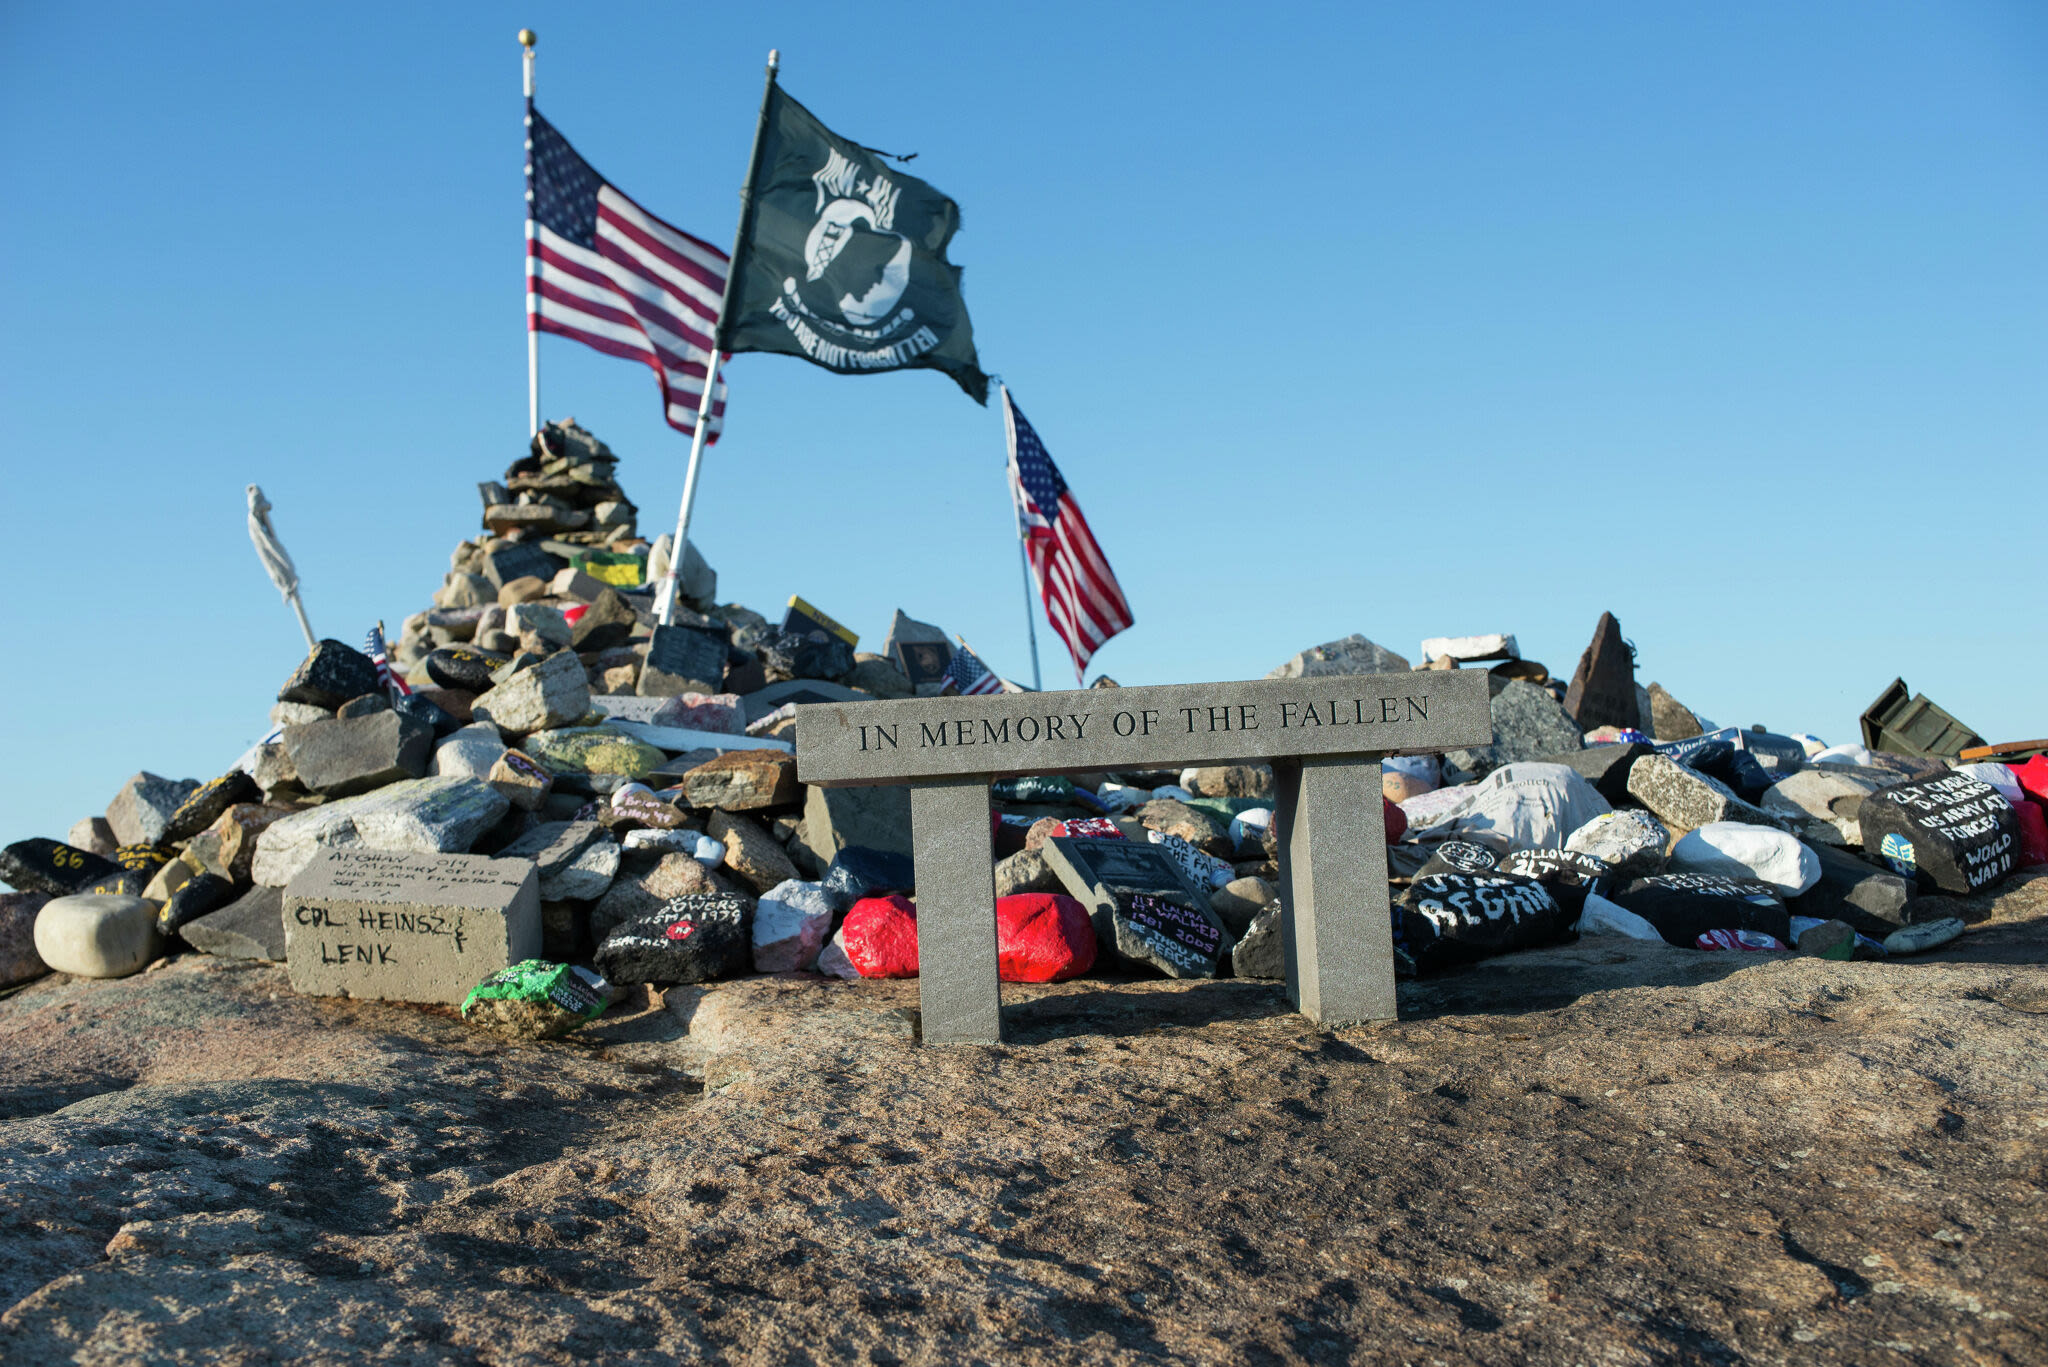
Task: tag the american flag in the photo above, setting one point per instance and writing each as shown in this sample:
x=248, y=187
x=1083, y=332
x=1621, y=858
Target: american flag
x=969, y=675
x=373, y=646
x=601, y=269
x=1083, y=601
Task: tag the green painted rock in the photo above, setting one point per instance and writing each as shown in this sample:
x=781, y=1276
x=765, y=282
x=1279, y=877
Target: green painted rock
x=593, y=750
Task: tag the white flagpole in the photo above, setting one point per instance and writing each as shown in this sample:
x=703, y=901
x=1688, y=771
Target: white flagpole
x=527, y=38
x=1023, y=557
x=671, y=587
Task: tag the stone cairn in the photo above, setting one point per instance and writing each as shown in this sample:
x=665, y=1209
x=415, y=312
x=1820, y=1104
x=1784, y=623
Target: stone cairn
x=545, y=790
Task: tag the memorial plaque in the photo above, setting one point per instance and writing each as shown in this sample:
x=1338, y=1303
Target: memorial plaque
x=1323, y=735
x=683, y=659
x=407, y=927
x=1955, y=834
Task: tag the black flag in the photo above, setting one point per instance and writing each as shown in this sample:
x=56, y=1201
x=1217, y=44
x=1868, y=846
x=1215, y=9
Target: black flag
x=842, y=259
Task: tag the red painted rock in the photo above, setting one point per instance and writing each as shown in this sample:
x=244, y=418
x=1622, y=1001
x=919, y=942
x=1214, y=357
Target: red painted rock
x=880, y=935
x=2033, y=834
x=1042, y=937
x=1397, y=820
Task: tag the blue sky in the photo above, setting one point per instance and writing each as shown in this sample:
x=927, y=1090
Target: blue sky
x=1731, y=319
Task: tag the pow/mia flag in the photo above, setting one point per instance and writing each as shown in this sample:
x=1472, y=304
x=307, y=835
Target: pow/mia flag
x=844, y=259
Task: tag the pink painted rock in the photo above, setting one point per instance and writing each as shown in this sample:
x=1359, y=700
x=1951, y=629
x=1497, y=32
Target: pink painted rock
x=1043, y=937
x=1397, y=821
x=880, y=936
x=2033, y=834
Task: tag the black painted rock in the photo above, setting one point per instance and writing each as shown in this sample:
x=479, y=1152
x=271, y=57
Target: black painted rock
x=518, y=560
x=205, y=806
x=692, y=939
x=142, y=859
x=1949, y=834
x=427, y=712
x=607, y=623
x=464, y=667
x=859, y=871
x=1460, y=856
x=1167, y=931
x=1568, y=875
x=198, y=895
x=120, y=883
x=806, y=655
x=1684, y=906
x=1871, y=899
x=1603, y=689
x=1454, y=918
x=330, y=676
x=342, y=756
x=51, y=867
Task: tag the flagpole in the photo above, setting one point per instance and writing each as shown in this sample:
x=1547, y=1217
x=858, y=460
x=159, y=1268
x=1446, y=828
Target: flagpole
x=671, y=588
x=1023, y=556
x=527, y=38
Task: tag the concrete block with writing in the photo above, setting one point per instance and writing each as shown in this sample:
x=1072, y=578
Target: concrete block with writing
x=407, y=927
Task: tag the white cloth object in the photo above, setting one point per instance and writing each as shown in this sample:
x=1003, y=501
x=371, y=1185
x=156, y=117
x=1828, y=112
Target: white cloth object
x=1602, y=917
x=277, y=562
x=1119, y=798
x=1813, y=745
x=1536, y=806
x=1413, y=766
x=1998, y=776
x=1735, y=849
x=1846, y=754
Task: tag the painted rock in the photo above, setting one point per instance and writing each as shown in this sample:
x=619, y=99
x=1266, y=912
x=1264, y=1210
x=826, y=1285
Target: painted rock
x=1043, y=937
x=880, y=937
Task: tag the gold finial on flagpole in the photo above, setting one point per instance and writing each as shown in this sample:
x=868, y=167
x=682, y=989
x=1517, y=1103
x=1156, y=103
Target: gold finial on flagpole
x=527, y=37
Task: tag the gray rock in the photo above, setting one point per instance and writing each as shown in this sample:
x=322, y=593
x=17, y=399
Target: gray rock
x=835, y=818
x=1685, y=799
x=751, y=852
x=645, y=882
x=791, y=922
x=104, y=936
x=553, y=693
x=882, y=677
x=1820, y=804
x=1261, y=953
x=543, y=621
x=1529, y=723
x=18, y=958
x=1671, y=719
x=1352, y=655
x=1871, y=899
x=141, y=812
x=297, y=713
x=330, y=676
x=93, y=835
x=343, y=756
x=1242, y=901
x=1025, y=871
x=577, y=859
x=465, y=591
x=1631, y=842
x=471, y=752
x=425, y=815
x=250, y=927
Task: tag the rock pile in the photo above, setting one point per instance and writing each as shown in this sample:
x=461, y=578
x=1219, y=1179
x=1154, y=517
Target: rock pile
x=550, y=772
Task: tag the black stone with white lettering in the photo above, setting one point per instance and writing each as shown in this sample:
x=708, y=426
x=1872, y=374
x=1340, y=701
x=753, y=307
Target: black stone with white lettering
x=692, y=939
x=1460, y=856
x=1951, y=834
x=1144, y=908
x=52, y=867
x=1568, y=875
x=1454, y=918
x=1684, y=906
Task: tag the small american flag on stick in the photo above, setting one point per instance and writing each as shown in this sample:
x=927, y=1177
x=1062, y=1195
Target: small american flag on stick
x=1083, y=601
x=373, y=646
x=969, y=676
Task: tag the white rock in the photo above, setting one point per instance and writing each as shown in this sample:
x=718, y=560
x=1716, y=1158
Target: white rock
x=1735, y=849
x=1602, y=917
x=1535, y=805
x=293, y=713
x=1632, y=842
x=424, y=815
x=668, y=842
x=1821, y=804
x=1998, y=776
x=1497, y=646
x=542, y=619
x=98, y=936
x=790, y=923
x=833, y=961
x=470, y=752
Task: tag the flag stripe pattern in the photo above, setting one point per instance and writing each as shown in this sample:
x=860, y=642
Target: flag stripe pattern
x=970, y=676
x=602, y=270
x=373, y=646
x=1083, y=601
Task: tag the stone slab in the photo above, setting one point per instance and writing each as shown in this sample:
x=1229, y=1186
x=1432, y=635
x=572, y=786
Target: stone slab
x=408, y=927
x=959, y=995
x=1336, y=928
x=250, y=927
x=678, y=740
x=1169, y=725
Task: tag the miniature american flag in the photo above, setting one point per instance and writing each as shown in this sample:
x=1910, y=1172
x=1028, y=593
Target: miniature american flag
x=373, y=646
x=601, y=269
x=969, y=675
x=1083, y=601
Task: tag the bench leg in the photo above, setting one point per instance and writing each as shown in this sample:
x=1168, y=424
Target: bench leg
x=958, y=993
x=1335, y=927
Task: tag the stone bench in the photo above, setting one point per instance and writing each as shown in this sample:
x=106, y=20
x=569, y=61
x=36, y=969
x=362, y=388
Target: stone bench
x=1324, y=738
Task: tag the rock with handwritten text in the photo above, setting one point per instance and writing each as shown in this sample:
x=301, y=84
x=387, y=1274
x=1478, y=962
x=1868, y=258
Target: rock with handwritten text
x=1948, y=834
x=692, y=939
x=407, y=927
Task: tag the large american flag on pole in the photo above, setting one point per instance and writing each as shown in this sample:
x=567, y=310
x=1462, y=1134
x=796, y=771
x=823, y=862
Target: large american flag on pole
x=1083, y=601
x=601, y=269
